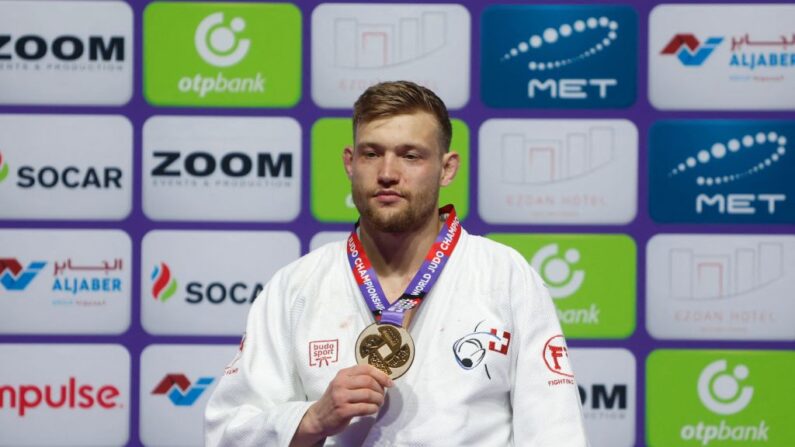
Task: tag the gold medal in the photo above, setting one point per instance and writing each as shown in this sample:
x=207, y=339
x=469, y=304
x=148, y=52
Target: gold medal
x=386, y=347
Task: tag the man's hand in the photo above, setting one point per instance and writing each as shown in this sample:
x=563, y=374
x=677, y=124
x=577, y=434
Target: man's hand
x=355, y=391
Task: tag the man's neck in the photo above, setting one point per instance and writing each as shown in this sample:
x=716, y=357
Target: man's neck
x=398, y=255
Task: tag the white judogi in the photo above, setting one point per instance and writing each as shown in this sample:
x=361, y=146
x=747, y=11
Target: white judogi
x=484, y=372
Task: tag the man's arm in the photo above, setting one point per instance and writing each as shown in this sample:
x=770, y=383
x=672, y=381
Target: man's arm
x=544, y=396
x=259, y=400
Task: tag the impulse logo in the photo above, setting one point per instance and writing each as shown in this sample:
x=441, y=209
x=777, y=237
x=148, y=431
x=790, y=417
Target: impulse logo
x=179, y=390
x=689, y=50
x=70, y=395
x=726, y=172
x=164, y=284
x=3, y=168
x=13, y=277
x=575, y=56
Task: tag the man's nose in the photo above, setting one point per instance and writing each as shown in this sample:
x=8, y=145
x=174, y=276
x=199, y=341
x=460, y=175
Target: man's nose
x=388, y=170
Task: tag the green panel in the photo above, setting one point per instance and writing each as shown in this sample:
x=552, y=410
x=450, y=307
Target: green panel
x=590, y=277
x=222, y=54
x=720, y=398
x=331, y=190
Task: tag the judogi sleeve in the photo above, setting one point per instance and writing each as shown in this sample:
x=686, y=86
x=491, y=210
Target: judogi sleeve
x=259, y=400
x=544, y=396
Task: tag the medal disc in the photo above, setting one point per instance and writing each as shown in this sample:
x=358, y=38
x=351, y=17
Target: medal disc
x=386, y=347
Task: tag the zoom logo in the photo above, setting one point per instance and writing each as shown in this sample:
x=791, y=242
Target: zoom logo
x=720, y=391
x=218, y=44
x=557, y=271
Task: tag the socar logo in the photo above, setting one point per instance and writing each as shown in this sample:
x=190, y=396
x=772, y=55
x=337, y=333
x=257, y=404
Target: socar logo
x=164, y=284
x=3, y=168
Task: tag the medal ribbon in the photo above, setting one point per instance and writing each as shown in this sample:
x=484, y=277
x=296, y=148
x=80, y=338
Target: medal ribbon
x=419, y=286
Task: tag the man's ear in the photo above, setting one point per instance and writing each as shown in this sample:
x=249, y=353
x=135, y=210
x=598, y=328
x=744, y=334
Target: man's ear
x=450, y=163
x=347, y=161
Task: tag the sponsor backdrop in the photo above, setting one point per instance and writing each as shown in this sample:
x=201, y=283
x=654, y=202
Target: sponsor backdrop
x=159, y=161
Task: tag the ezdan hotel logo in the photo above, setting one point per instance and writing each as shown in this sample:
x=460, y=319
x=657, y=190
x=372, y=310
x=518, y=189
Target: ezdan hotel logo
x=179, y=390
x=222, y=54
x=559, y=56
x=736, y=398
x=689, y=50
x=720, y=286
x=14, y=277
x=721, y=171
x=164, y=284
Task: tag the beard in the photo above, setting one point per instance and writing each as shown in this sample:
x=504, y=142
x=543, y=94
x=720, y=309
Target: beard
x=397, y=220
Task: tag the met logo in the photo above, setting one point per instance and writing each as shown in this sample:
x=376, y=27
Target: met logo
x=561, y=56
x=179, y=390
x=721, y=171
x=14, y=277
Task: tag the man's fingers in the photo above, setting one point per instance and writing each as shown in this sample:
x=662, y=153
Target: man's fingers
x=365, y=381
x=365, y=395
x=361, y=409
x=373, y=372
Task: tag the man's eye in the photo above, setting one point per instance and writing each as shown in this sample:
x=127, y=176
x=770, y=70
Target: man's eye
x=370, y=154
x=411, y=156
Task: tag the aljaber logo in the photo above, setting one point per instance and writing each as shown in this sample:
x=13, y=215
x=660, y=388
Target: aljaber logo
x=720, y=391
x=13, y=277
x=569, y=56
x=561, y=279
x=164, y=284
x=3, y=168
x=179, y=390
x=689, y=50
x=721, y=171
x=217, y=44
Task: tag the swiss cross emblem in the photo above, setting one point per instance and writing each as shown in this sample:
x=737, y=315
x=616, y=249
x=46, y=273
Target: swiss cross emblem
x=323, y=352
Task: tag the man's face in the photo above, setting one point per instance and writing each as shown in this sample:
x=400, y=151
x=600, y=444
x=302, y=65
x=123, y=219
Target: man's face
x=396, y=168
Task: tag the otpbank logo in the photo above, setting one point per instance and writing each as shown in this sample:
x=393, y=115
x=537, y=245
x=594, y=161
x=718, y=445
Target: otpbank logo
x=66, y=52
x=163, y=284
x=689, y=50
x=179, y=389
x=722, y=171
x=64, y=394
x=14, y=277
x=722, y=57
x=559, y=56
x=724, y=287
x=357, y=45
x=590, y=277
x=719, y=398
x=331, y=199
x=222, y=54
x=558, y=171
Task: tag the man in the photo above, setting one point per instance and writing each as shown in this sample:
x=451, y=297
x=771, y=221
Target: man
x=487, y=367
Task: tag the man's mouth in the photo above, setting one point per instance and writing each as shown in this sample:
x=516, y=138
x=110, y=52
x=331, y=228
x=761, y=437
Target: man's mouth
x=387, y=196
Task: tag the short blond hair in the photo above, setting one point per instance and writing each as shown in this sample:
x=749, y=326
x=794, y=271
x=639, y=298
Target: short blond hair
x=388, y=99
